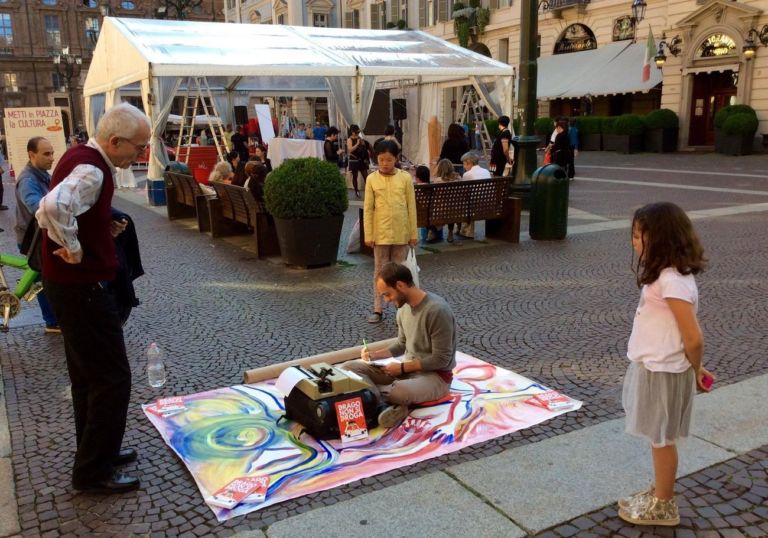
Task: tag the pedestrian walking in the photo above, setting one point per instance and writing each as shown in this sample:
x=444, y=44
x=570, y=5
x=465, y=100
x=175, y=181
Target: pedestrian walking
x=389, y=215
x=665, y=353
x=359, y=156
x=501, y=154
x=79, y=263
x=573, y=139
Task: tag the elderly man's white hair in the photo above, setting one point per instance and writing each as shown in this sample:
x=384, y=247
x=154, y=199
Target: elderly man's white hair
x=471, y=156
x=122, y=120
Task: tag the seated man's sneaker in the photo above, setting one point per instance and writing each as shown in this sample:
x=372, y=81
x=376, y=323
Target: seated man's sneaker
x=393, y=415
x=654, y=512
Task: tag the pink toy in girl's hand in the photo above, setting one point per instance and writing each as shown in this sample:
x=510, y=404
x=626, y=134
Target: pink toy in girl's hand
x=707, y=381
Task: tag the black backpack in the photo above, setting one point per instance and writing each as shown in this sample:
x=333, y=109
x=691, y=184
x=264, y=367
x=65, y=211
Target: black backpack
x=32, y=246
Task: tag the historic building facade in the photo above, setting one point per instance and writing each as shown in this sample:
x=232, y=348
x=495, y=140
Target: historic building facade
x=34, y=32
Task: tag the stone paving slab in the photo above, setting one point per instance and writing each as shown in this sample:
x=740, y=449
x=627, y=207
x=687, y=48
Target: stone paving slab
x=9, y=521
x=541, y=484
x=433, y=505
x=735, y=417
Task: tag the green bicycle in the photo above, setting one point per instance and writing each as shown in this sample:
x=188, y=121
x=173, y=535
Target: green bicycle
x=27, y=287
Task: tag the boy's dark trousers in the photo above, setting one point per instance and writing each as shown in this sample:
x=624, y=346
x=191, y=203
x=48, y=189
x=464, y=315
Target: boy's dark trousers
x=571, y=161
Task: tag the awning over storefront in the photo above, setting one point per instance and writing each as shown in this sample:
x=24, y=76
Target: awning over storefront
x=612, y=69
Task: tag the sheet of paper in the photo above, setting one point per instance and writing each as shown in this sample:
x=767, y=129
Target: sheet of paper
x=384, y=362
x=288, y=379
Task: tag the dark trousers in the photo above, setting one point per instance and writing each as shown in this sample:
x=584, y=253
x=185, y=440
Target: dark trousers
x=99, y=372
x=571, y=162
x=356, y=167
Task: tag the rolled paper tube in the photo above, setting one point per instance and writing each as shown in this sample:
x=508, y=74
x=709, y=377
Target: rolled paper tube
x=332, y=357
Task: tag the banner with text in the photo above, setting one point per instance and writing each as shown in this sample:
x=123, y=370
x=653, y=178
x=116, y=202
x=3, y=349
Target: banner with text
x=21, y=124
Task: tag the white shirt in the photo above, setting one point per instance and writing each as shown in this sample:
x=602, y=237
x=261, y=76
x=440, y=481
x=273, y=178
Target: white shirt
x=656, y=340
x=476, y=172
x=75, y=195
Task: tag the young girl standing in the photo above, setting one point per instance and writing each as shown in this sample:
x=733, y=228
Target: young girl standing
x=665, y=351
x=389, y=215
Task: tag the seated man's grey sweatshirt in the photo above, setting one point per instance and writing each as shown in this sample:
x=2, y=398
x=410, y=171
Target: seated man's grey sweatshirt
x=427, y=332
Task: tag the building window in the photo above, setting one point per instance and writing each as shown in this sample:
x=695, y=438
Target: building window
x=352, y=19
x=378, y=16
x=90, y=3
x=6, y=34
x=230, y=4
x=91, y=31
x=281, y=19
x=58, y=81
x=52, y=32
x=10, y=82
x=504, y=50
x=128, y=5
x=320, y=20
x=717, y=45
x=50, y=2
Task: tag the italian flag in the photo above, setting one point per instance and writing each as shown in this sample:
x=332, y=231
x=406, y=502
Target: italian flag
x=650, y=52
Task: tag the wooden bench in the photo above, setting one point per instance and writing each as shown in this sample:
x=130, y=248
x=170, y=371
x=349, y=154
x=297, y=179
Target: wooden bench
x=438, y=204
x=185, y=199
x=234, y=210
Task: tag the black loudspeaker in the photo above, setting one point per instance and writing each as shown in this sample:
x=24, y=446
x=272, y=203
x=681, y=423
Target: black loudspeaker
x=378, y=117
x=399, y=109
x=241, y=115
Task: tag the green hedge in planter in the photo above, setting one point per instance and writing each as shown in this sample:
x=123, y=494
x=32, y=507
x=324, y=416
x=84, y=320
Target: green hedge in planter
x=723, y=114
x=305, y=188
x=493, y=128
x=543, y=126
x=608, y=125
x=663, y=118
x=629, y=124
x=741, y=123
x=588, y=125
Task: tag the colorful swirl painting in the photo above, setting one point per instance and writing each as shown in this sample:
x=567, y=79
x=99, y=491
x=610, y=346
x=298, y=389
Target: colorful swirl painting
x=225, y=434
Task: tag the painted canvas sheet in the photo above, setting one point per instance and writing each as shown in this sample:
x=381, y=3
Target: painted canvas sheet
x=229, y=433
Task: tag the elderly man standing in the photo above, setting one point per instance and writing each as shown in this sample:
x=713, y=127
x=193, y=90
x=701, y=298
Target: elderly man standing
x=32, y=184
x=79, y=260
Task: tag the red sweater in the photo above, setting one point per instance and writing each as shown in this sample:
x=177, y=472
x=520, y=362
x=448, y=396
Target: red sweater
x=93, y=227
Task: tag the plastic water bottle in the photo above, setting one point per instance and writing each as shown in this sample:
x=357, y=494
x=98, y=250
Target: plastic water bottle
x=155, y=366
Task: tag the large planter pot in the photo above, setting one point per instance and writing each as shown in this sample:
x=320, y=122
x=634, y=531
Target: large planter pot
x=309, y=242
x=733, y=144
x=610, y=142
x=661, y=140
x=628, y=143
x=592, y=142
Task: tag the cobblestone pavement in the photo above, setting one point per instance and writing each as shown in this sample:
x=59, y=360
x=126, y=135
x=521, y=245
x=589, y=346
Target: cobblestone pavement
x=558, y=312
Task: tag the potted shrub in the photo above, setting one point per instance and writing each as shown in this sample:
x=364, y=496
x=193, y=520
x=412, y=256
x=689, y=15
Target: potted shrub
x=738, y=133
x=590, y=138
x=629, y=133
x=661, y=129
x=307, y=198
x=734, y=142
x=608, y=132
x=543, y=128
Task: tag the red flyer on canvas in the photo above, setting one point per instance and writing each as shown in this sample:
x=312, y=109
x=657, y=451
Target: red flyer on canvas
x=165, y=407
x=254, y=488
x=351, y=417
x=551, y=400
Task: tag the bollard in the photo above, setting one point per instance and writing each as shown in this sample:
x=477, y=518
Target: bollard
x=549, y=203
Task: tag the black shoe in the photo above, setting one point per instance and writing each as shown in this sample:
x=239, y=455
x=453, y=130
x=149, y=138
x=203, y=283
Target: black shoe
x=118, y=483
x=357, y=194
x=126, y=455
x=3, y=207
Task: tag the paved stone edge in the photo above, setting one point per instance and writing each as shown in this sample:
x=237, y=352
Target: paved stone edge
x=9, y=510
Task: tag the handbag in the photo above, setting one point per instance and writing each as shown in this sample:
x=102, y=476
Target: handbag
x=547, y=156
x=410, y=263
x=32, y=246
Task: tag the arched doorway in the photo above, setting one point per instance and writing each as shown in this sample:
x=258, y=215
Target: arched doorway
x=711, y=90
x=480, y=48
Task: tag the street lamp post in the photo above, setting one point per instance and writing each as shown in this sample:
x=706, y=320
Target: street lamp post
x=526, y=141
x=68, y=67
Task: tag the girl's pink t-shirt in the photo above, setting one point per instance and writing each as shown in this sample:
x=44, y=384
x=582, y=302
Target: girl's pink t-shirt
x=656, y=340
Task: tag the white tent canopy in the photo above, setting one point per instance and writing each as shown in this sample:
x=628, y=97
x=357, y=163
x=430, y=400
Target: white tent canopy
x=242, y=59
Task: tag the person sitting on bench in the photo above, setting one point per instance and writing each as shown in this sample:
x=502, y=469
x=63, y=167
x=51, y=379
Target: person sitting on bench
x=427, y=340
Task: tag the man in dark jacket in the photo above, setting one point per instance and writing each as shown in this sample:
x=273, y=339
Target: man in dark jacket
x=32, y=184
x=79, y=262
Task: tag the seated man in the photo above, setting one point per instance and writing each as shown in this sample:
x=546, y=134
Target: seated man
x=427, y=338
x=472, y=170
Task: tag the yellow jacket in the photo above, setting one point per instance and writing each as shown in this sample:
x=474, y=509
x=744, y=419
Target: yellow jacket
x=389, y=211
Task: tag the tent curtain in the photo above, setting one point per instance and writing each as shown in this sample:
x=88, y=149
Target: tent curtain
x=363, y=104
x=221, y=101
x=340, y=91
x=490, y=97
x=165, y=91
x=505, y=96
x=112, y=98
x=95, y=106
x=430, y=107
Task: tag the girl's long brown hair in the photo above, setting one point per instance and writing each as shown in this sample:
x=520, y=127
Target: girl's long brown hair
x=668, y=241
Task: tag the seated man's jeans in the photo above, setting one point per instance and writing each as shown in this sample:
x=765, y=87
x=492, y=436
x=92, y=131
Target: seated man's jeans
x=409, y=389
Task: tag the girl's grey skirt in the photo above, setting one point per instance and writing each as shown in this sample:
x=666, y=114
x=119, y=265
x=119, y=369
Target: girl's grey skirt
x=658, y=404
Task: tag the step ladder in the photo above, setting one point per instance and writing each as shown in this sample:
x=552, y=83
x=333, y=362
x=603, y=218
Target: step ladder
x=471, y=113
x=199, y=97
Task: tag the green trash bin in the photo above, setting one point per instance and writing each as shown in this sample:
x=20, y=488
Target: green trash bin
x=549, y=203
